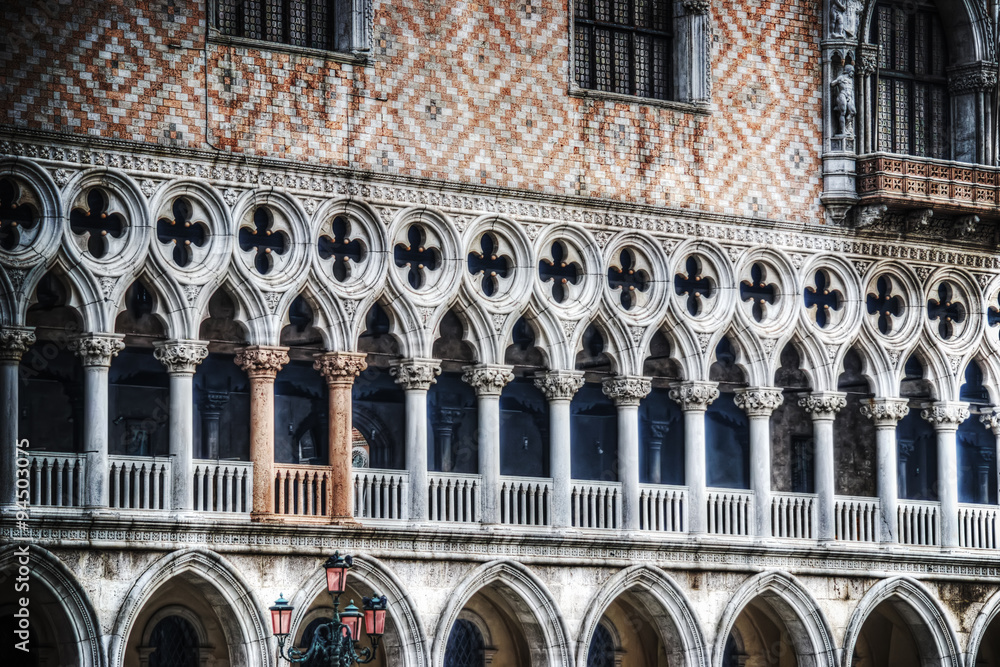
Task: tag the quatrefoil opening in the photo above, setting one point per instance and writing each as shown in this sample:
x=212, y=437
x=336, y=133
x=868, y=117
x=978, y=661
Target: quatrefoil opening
x=263, y=240
x=758, y=292
x=885, y=305
x=946, y=310
x=16, y=216
x=345, y=252
x=626, y=277
x=490, y=264
x=694, y=285
x=825, y=299
x=561, y=271
x=416, y=257
x=97, y=223
x=182, y=232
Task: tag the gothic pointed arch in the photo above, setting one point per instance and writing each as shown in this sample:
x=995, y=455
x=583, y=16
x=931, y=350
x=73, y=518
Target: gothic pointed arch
x=668, y=608
x=981, y=630
x=83, y=293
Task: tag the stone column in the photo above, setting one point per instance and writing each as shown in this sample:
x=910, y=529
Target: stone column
x=261, y=363
x=181, y=357
x=626, y=392
x=14, y=342
x=416, y=376
x=96, y=350
x=559, y=388
x=886, y=413
x=212, y=406
x=489, y=382
x=444, y=434
x=759, y=403
x=654, y=464
x=694, y=399
x=991, y=421
x=823, y=406
x=946, y=416
x=340, y=369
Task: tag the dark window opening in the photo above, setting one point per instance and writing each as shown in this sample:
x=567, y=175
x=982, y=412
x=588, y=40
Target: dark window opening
x=314, y=24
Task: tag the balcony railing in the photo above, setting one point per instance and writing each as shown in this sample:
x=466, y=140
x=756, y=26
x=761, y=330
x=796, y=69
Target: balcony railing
x=663, y=508
x=919, y=522
x=139, y=483
x=525, y=501
x=856, y=519
x=793, y=515
x=729, y=512
x=56, y=480
x=597, y=504
x=223, y=486
x=300, y=490
x=454, y=497
x=977, y=526
x=381, y=494
x=917, y=182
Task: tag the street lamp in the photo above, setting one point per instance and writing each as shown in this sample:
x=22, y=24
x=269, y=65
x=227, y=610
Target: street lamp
x=334, y=643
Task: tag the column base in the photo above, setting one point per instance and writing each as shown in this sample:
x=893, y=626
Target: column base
x=264, y=517
x=345, y=522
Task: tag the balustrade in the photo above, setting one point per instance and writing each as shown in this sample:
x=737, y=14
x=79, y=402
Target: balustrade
x=223, y=486
x=525, y=501
x=300, y=490
x=139, y=483
x=663, y=508
x=454, y=497
x=729, y=512
x=55, y=479
x=977, y=526
x=381, y=494
x=856, y=519
x=597, y=504
x=793, y=515
x=919, y=523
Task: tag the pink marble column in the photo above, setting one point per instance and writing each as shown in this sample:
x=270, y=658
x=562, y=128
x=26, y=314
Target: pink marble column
x=339, y=369
x=261, y=363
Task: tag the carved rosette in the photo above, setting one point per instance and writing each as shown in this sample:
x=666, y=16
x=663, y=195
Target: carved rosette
x=946, y=415
x=97, y=349
x=340, y=367
x=823, y=404
x=487, y=380
x=694, y=395
x=416, y=373
x=262, y=361
x=14, y=342
x=886, y=411
x=180, y=356
x=991, y=420
x=758, y=401
x=627, y=390
x=559, y=385
x=701, y=7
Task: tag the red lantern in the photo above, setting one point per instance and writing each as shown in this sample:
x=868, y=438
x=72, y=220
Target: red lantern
x=281, y=617
x=336, y=573
x=351, y=617
x=375, y=616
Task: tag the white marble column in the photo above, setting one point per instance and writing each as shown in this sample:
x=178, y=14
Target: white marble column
x=946, y=416
x=339, y=369
x=96, y=350
x=14, y=342
x=416, y=376
x=823, y=407
x=559, y=388
x=886, y=413
x=181, y=358
x=759, y=403
x=489, y=381
x=694, y=399
x=261, y=363
x=626, y=392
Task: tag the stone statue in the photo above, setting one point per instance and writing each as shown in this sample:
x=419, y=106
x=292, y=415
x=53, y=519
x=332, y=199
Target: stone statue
x=844, y=18
x=843, y=100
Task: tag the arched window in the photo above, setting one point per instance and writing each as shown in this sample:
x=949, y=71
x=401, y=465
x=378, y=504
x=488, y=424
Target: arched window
x=465, y=646
x=912, y=103
x=174, y=643
x=602, y=648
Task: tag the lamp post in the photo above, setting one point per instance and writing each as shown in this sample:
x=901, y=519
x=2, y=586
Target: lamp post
x=335, y=643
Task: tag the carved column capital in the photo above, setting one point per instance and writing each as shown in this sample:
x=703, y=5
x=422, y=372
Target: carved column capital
x=96, y=349
x=416, y=373
x=340, y=367
x=694, y=395
x=886, y=411
x=262, y=361
x=14, y=342
x=946, y=415
x=627, y=389
x=213, y=402
x=991, y=420
x=758, y=401
x=868, y=59
x=559, y=385
x=980, y=76
x=823, y=405
x=487, y=380
x=697, y=7
x=180, y=356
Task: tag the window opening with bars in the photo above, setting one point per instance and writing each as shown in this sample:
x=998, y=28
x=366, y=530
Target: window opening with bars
x=303, y=23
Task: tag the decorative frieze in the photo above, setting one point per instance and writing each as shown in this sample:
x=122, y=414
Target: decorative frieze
x=694, y=395
x=886, y=412
x=14, y=342
x=627, y=390
x=340, y=367
x=487, y=380
x=262, y=361
x=416, y=373
x=559, y=385
x=180, y=356
x=97, y=349
x=758, y=401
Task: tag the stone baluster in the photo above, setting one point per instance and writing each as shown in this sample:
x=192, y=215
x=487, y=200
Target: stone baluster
x=886, y=414
x=626, y=392
x=694, y=399
x=416, y=376
x=14, y=342
x=340, y=369
x=261, y=363
x=991, y=421
x=181, y=358
x=759, y=403
x=96, y=350
x=823, y=407
x=559, y=387
x=946, y=416
x=489, y=381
